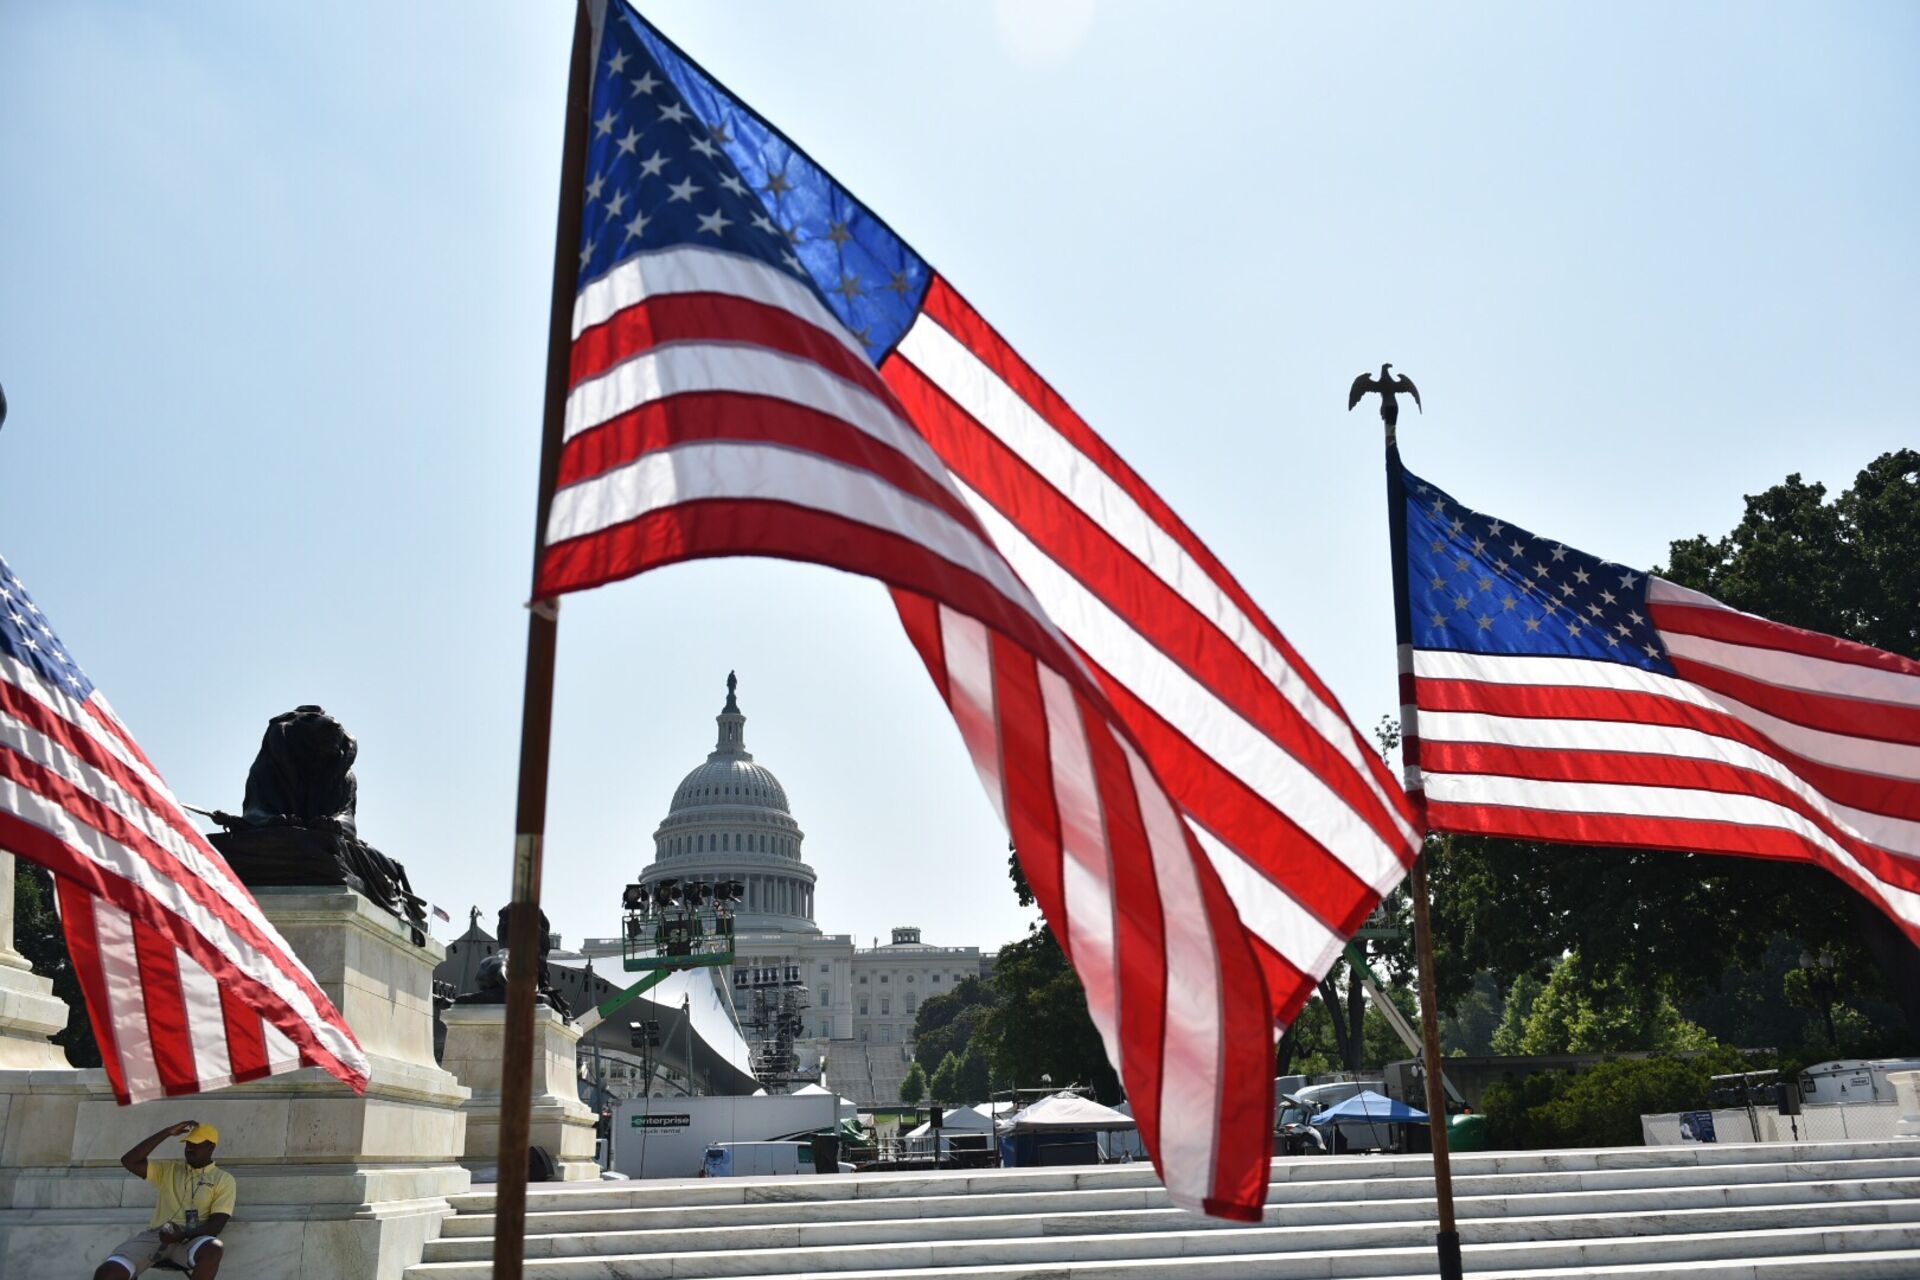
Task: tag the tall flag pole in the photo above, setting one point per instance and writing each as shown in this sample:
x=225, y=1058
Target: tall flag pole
x=1549, y=695
x=1447, y=1239
x=536, y=714
x=1389, y=386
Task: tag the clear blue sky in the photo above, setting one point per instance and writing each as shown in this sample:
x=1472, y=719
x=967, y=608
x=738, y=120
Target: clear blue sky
x=273, y=285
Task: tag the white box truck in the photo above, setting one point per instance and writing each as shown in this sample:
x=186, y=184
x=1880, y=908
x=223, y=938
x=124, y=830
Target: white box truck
x=763, y=1160
x=669, y=1137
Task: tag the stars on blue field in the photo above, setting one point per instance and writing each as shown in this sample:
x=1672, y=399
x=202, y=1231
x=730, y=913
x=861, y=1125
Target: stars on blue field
x=1482, y=585
x=27, y=637
x=673, y=160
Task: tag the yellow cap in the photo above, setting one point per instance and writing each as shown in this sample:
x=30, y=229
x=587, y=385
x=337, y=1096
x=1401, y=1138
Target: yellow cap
x=203, y=1133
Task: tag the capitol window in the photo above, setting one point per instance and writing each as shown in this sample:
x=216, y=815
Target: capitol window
x=863, y=1008
x=886, y=1006
x=863, y=979
x=884, y=977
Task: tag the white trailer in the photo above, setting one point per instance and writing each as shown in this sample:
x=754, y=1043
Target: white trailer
x=668, y=1137
x=1853, y=1080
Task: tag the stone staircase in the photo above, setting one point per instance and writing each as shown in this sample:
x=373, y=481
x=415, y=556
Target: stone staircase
x=1804, y=1211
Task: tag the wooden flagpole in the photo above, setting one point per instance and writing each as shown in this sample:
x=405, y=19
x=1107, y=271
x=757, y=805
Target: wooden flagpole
x=536, y=714
x=1448, y=1239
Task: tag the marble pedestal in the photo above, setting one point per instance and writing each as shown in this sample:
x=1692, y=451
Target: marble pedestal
x=29, y=1011
x=332, y=1185
x=1906, y=1091
x=562, y=1124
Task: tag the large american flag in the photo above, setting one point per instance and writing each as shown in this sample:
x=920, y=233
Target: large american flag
x=1551, y=695
x=761, y=366
x=188, y=986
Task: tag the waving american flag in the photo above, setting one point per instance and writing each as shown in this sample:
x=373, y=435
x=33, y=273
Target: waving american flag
x=188, y=986
x=761, y=366
x=1552, y=695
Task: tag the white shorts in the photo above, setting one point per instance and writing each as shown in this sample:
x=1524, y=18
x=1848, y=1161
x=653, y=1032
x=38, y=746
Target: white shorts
x=137, y=1253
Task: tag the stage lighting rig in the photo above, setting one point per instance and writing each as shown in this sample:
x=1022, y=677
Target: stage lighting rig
x=679, y=924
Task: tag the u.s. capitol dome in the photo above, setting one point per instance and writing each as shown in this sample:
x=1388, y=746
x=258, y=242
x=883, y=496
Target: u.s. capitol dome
x=729, y=820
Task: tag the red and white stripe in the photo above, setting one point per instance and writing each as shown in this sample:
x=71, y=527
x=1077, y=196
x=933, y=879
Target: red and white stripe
x=188, y=986
x=1201, y=823
x=1769, y=741
x=1301, y=820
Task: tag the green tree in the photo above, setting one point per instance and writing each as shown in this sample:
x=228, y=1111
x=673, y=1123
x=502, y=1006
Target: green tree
x=1039, y=1024
x=1682, y=921
x=1581, y=1011
x=974, y=1080
x=1522, y=995
x=945, y=1023
x=1307, y=1047
x=38, y=937
x=1313, y=1046
x=1600, y=1106
x=914, y=1086
x=1468, y=1028
x=946, y=1079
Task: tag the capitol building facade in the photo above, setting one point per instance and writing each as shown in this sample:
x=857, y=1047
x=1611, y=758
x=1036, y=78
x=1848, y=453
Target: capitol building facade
x=813, y=1003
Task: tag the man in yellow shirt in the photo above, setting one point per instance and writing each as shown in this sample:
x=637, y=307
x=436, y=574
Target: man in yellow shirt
x=196, y=1200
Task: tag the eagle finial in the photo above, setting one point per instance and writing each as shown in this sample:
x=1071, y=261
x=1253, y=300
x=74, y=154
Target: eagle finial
x=1389, y=384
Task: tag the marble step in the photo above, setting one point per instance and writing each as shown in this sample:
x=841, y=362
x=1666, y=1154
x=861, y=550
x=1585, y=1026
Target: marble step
x=813, y=1233
x=1291, y=1172
x=765, y=1251
x=1862, y=1252
x=1717, y=1182
x=1892, y=1264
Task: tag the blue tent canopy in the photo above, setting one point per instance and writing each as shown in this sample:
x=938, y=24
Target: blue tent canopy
x=1369, y=1106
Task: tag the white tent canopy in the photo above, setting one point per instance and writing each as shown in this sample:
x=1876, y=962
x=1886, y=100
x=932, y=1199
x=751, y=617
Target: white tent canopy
x=1066, y=1113
x=958, y=1120
x=847, y=1109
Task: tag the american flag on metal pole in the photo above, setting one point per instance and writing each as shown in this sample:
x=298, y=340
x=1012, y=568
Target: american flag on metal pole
x=761, y=366
x=1552, y=695
x=188, y=986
